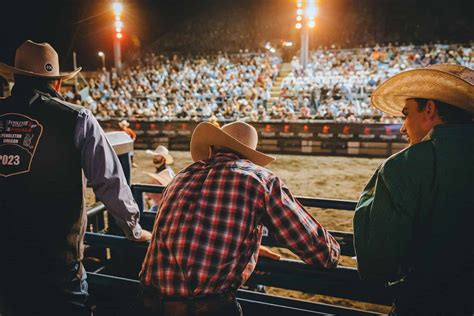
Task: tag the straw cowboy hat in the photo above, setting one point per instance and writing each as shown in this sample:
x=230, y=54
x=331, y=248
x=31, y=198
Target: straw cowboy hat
x=237, y=136
x=37, y=60
x=449, y=83
x=163, y=177
x=161, y=151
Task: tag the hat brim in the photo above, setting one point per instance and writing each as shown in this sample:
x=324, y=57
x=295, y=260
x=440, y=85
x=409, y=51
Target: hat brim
x=423, y=83
x=206, y=135
x=4, y=68
x=169, y=159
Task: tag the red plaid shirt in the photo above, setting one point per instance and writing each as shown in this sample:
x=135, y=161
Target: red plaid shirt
x=209, y=228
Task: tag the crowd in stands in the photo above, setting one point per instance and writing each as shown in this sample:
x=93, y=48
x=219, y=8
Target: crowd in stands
x=336, y=85
x=171, y=88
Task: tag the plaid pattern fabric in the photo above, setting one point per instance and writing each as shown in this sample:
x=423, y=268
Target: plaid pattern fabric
x=209, y=228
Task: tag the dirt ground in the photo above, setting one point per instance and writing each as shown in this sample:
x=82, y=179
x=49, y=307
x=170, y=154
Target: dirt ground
x=324, y=177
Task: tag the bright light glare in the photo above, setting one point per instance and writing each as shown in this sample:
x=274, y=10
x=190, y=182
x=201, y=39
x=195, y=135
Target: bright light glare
x=101, y=54
x=118, y=24
x=298, y=25
x=311, y=24
x=287, y=44
x=118, y=8
x=299, y=18
x=119, y=35
x=311, y=10
x=272, y=50
x=299, y=11
x=299, y=4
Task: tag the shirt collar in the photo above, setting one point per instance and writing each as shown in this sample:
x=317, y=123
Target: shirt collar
x=428, y=136
x=32, y=93
x=223, y=157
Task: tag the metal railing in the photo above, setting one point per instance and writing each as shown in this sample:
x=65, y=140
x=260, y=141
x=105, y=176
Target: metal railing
x=340, y=282
x=345, y=239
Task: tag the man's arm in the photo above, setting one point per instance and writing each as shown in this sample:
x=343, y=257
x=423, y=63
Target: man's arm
x=383, y=228
x=295, y=228
x=104, y=172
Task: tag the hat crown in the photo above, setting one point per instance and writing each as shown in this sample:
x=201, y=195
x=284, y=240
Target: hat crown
x=243, y=132
x=39, y=58
x=462, y=72
x=161, y=150
x=449, y=83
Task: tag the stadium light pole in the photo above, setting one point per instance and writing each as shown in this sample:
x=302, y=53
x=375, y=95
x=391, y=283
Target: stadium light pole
x=118, y=9
x=305, y=15
x=102, y=57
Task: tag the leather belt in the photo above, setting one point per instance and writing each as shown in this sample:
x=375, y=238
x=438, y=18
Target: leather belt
x=183, y=306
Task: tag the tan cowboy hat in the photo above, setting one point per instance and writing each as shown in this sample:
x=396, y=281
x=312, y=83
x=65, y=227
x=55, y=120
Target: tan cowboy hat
x=449, y=83
x=37, y=60
x=161, y=151
x=163, y=178
x=237, y=136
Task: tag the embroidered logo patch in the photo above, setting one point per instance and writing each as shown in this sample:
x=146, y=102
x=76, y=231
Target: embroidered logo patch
x=48, y=67
x=19, y=137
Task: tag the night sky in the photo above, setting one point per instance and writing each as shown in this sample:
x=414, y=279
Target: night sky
x=86, y=26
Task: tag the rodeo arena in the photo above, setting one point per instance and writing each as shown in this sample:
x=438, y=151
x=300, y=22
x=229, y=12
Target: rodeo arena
x=254, y=157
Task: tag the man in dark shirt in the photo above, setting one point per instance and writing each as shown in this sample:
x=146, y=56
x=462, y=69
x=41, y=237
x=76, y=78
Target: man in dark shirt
x=46, y=145
x=413, y=222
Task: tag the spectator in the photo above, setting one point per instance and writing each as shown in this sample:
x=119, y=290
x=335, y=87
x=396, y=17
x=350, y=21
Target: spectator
x=125, y=126
x=162, y=161
x=52, y=143
x=207, y=236
x=418, y=205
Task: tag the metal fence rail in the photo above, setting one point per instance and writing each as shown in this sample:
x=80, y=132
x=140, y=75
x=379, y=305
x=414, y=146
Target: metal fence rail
x=341, y=282
x=120, y=294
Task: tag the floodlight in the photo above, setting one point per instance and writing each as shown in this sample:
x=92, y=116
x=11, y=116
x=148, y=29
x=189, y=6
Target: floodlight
x=118, y=8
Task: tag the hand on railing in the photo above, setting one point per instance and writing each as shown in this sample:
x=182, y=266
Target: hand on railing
x=146, y=236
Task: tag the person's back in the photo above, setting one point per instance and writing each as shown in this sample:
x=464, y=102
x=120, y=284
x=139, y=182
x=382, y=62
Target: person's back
x=443, y=260
x=46, y=146
x=210, y=225
x=43, y=216
x=412, y=222
x=437, y=265
x=226, y=196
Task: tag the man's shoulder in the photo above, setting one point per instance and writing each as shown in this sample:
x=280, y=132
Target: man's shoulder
x=247, y=168
x=64, y=105
x=410, y=159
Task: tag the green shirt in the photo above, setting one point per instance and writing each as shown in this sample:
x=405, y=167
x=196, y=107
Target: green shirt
x=414, y=219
